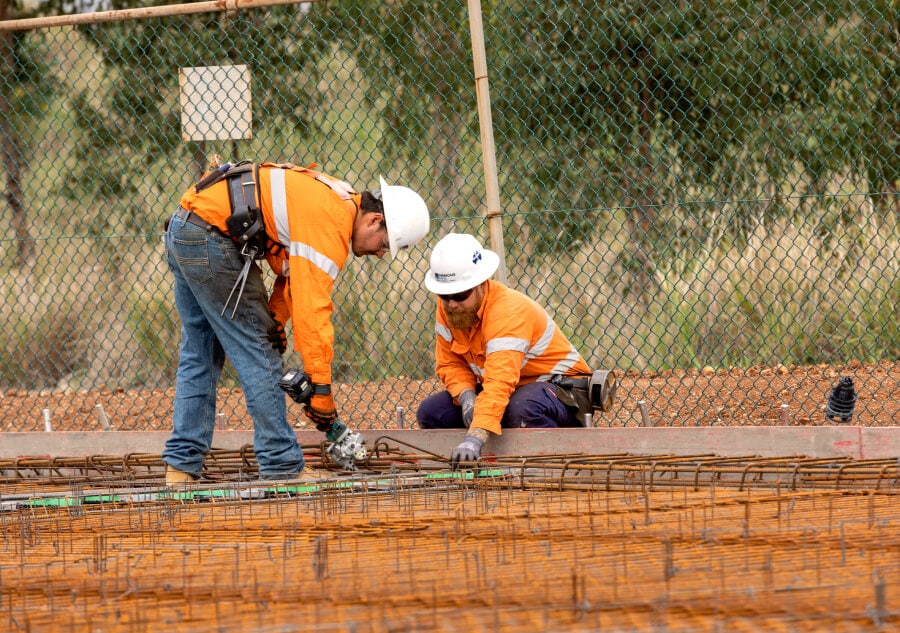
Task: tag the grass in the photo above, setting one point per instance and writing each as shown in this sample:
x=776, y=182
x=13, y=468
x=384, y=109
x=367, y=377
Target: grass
x=788, y=294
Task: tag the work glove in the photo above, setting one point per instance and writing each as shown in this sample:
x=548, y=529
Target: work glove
x=467, y=402
x=342, y=188
x=469, y=450
x=321, y=411
x=277, y=336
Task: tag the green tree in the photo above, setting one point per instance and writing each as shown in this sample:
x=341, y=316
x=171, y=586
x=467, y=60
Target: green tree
x=25, y=88
x=137, y=122
x=598, y=104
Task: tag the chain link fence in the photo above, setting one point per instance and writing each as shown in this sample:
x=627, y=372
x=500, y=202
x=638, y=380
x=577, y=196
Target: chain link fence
x=703, y=194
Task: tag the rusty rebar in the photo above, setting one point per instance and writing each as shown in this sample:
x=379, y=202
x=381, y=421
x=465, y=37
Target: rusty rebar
x=567, y=542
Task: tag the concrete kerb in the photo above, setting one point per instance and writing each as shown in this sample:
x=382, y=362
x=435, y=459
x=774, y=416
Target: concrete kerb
x=763, y=441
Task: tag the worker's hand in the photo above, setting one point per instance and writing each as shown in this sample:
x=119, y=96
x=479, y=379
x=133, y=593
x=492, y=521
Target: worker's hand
x=467, y=402
x=342, y=188
x=469, y=450
x=276, y=336
x=321, y=411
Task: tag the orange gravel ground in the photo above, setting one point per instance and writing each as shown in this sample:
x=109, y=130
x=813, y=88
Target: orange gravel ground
x=705, y=397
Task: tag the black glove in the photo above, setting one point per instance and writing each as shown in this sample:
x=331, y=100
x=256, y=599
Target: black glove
x=469, y=450
x=321, y=411
x=467, y=402
x=276, y=336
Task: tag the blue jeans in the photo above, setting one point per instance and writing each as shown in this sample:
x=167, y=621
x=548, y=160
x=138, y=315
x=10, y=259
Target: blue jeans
x=533, y=406
x=205, y=265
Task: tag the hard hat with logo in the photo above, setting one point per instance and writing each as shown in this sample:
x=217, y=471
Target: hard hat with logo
x=459, y=262
x=405, y=214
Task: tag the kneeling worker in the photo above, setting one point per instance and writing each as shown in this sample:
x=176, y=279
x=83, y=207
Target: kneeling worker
x=500, y=356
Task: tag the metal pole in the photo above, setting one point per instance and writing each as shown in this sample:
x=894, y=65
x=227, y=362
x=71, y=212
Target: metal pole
x=144, y=12
x=488, y=154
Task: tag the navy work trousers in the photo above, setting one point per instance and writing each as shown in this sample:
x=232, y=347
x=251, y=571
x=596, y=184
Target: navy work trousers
x=533, y=406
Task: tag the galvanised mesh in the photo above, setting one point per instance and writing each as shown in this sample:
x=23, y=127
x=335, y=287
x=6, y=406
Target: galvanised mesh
x=685, y=186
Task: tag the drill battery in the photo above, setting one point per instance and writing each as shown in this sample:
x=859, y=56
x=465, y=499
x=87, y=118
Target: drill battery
x=298, y=385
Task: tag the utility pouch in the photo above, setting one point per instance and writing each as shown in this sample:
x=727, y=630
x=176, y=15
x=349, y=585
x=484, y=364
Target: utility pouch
x=588, y=394
x=574, y=397
x=244, y=227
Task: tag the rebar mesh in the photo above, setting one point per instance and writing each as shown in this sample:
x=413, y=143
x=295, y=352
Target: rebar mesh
x=609, y=542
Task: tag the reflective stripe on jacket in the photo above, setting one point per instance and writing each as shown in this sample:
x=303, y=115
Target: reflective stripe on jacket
x=515, y=343
x=315, y=227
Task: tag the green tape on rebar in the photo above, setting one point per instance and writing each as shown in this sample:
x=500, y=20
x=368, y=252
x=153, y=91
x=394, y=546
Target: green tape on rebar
x=466, y=475
x=53, y=502
x=200, y=495
x=311, y=487
x=90, y=499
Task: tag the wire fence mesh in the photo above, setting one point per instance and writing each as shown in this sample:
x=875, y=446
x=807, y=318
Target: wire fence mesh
x=701, y=194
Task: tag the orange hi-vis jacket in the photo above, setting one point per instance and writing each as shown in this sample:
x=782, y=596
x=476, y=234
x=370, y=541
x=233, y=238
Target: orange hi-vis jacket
x=514, y=343
x=314, y=226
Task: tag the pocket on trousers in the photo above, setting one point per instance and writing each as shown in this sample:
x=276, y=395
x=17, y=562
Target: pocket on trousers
x=191, y=250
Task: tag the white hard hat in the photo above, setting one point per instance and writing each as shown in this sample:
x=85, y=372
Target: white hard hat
x=405, y=214
x=459, y=262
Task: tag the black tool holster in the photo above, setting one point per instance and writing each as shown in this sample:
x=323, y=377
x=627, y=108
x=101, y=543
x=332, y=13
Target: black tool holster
x=572, y=393
x=587, y=394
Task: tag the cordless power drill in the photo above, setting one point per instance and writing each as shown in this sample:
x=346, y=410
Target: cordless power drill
x=346, y=446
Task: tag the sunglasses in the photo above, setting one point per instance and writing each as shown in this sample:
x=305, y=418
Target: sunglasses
x=459, y=297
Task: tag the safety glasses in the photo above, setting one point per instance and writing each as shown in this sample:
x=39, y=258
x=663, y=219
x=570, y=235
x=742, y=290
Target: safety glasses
x=458, y=297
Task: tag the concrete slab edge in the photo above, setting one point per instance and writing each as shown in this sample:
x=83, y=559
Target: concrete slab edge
x=764, y=441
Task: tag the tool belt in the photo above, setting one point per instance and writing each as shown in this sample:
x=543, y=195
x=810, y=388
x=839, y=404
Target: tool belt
x=245, y=224
x=586, y=393
x=192, y=218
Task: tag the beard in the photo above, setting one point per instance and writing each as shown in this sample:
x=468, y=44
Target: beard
x=462, y=319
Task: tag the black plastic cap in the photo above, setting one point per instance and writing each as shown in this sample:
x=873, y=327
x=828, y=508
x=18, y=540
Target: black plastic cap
x=842, y=401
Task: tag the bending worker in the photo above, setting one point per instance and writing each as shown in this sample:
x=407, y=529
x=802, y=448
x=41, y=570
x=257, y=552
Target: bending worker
x=305, y=224
x=499, y=354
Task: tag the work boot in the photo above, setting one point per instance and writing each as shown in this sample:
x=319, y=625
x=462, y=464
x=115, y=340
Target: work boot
x=176, y=478
x=311, y=474
x=308, y=474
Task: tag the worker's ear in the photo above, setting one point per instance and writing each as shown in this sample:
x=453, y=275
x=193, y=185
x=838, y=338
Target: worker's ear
x=374, y=219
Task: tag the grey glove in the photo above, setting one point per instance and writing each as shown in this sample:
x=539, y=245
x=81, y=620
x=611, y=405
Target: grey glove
x=467, y=402
x=469, y=450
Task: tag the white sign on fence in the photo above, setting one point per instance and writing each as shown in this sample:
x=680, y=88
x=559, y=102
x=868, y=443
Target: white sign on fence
x=215, y=103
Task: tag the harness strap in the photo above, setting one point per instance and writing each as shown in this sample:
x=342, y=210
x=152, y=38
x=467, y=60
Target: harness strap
x=245, y=201
x=245, y=224
x=224, y=171
x=242, y=191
